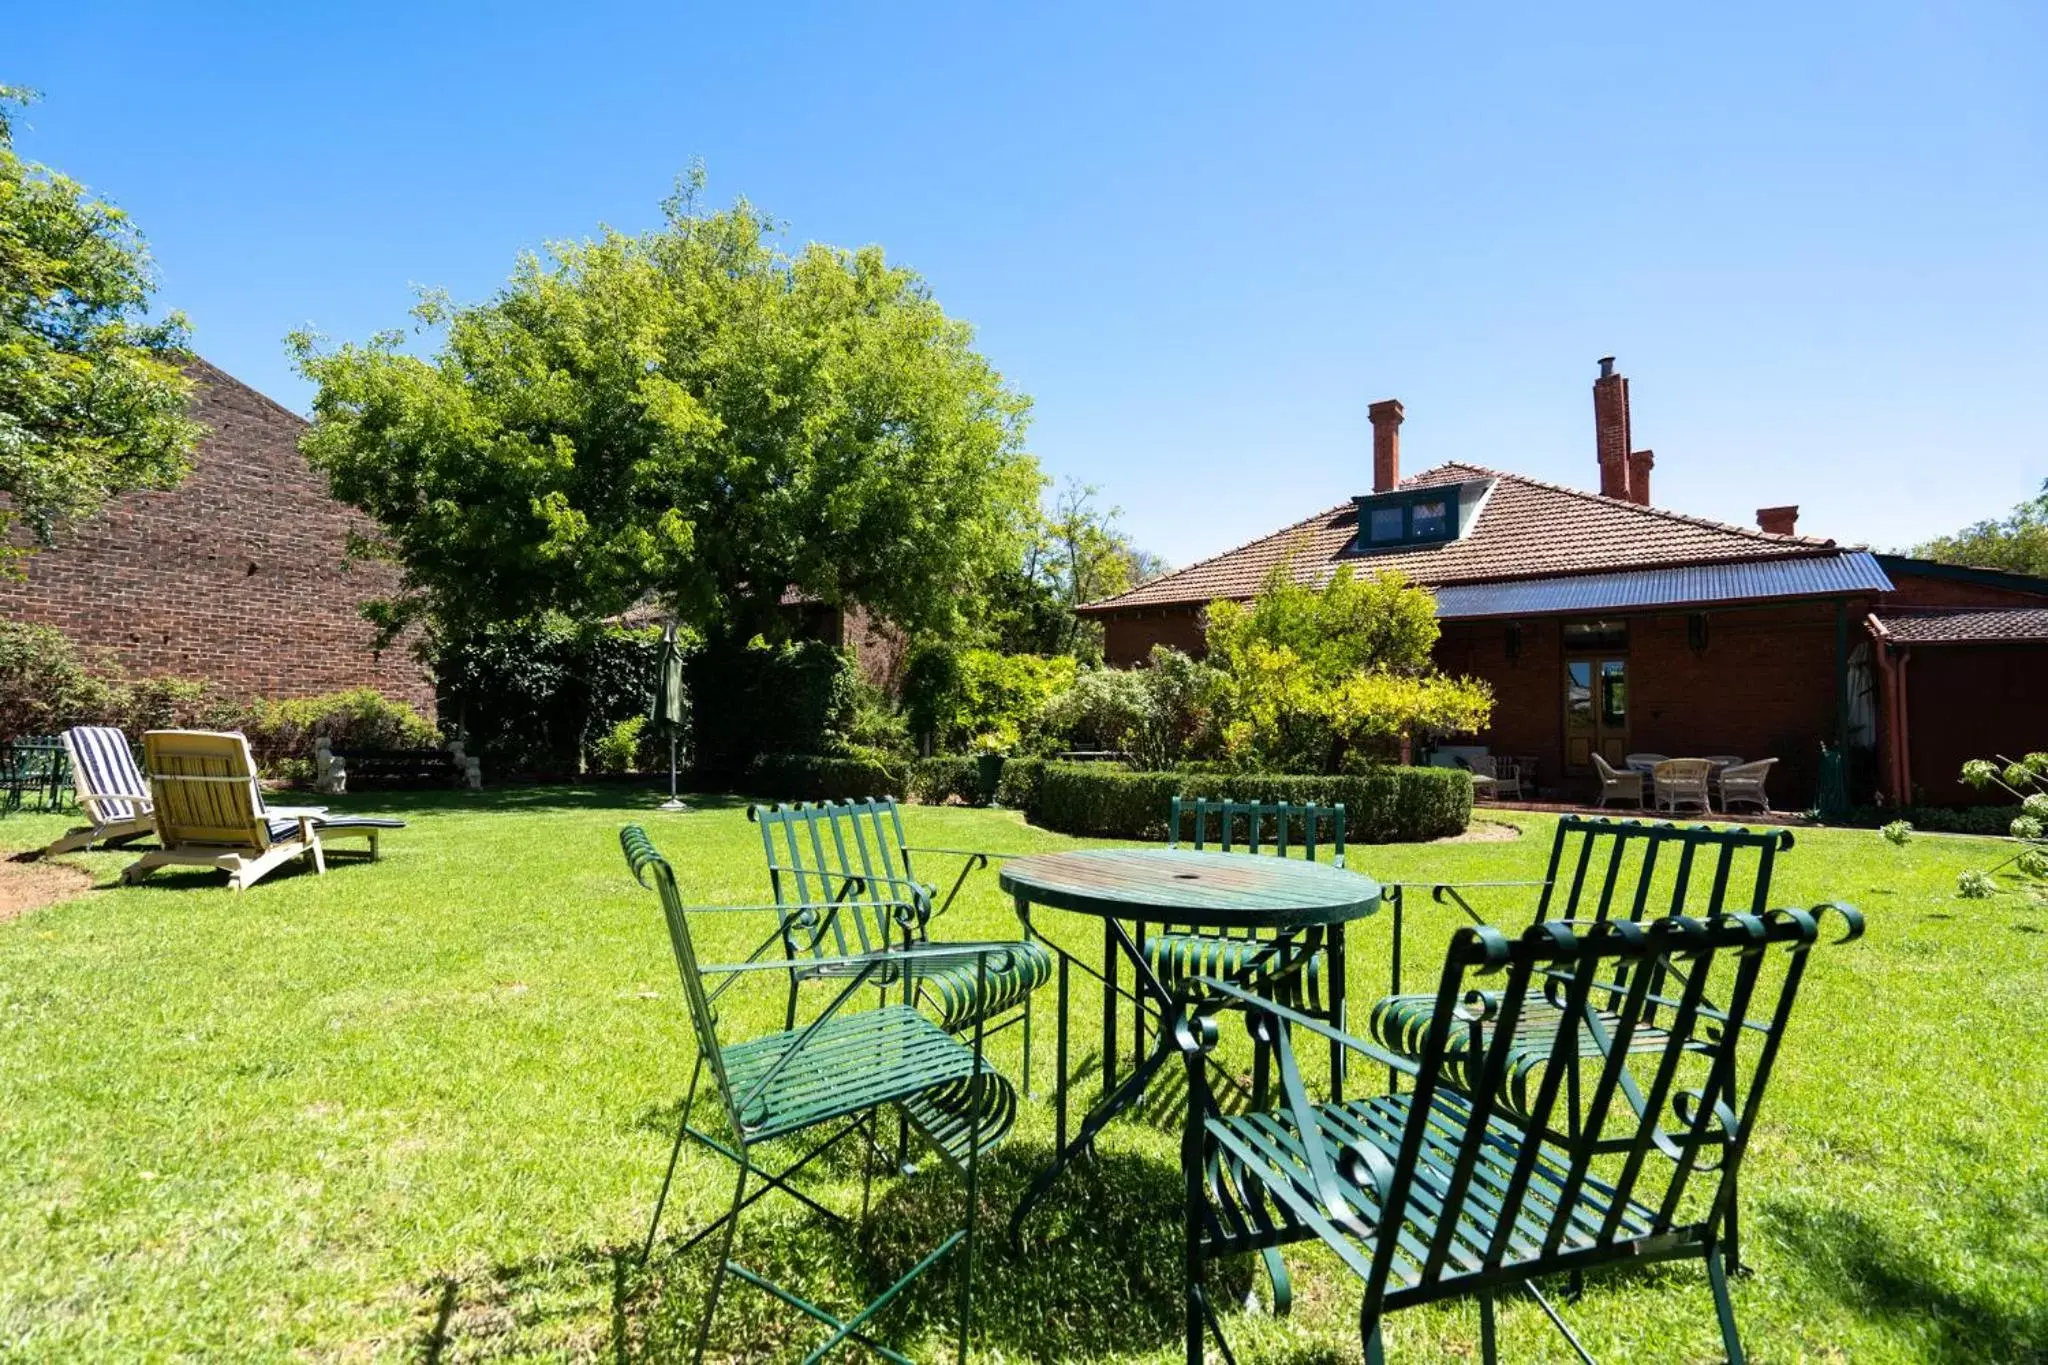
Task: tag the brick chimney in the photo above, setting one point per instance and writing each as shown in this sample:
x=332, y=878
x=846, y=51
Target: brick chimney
x=1386, y=443
x=1610, y=429
x=1639, y=462
x=1779, y=521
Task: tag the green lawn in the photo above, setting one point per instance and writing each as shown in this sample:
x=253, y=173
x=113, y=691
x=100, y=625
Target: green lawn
x=419, y=1109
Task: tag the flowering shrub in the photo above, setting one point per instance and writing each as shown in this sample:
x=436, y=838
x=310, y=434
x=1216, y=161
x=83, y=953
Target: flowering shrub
x=1312, y=676
x=2026, y=780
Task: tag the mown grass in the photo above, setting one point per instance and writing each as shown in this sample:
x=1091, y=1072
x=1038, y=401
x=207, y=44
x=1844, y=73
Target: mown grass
x=419, y=1110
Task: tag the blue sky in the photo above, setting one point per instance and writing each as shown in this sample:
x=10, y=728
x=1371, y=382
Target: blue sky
x=1202, y=238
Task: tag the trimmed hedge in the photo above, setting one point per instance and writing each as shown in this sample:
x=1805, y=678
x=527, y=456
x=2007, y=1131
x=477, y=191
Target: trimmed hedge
x=934, y=780
x=1382, y=806
x=1935, y=819
x=825, y=777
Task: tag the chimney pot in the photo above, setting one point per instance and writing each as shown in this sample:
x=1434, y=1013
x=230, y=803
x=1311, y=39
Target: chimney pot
x=1639, y=464
x=1779, y=521
x=1386, y=418
x=1610, y=429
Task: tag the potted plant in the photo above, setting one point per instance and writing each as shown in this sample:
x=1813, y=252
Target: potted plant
x=990, y=751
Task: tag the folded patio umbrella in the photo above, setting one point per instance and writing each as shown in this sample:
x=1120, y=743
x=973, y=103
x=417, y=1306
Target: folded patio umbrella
x=668, y=713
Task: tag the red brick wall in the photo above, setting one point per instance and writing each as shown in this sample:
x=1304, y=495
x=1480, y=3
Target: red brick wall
x=1128, y=637
x=1972, y=701
x=1763, y=687
x=235, y=576
x=1929, y=590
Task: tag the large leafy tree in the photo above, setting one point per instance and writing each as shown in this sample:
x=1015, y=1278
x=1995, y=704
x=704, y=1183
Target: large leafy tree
x=693, y=414
x=1313, y=676
x=1075, y=552
x=2018, y=543
x=92, y=399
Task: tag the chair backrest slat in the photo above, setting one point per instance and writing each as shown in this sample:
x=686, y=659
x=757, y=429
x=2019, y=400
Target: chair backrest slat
x=204, y=786
x=1635, y=851
x=1477, y=1208
x=1314, y=819
x=1189, y=818
x=110, y=786
x=847, y=853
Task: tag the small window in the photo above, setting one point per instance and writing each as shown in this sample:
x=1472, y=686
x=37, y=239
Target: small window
x=1387, y=520
x=1596, y=635
x=1613, y=693
x=1388, y=525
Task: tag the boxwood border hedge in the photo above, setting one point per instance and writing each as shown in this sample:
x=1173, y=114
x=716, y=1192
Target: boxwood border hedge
x=1099, y=800
x=1382, y=806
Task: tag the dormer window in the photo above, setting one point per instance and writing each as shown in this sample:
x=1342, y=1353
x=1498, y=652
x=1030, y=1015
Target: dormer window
x=1431, y=519
x=1417, y=517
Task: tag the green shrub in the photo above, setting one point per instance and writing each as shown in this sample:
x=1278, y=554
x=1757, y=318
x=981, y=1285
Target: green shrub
x=46, y=684
x=1101, y=800
x=283, y=734
x=933, y=780
x=539, y=695
x=1385, y=805
x=870, y=722
x=1104, y=709
x=1019, y=787
x=825, y=777
x=177, y=704
x=749, y=699
x=958, y=697
x=619, y=750
x=1992, y=820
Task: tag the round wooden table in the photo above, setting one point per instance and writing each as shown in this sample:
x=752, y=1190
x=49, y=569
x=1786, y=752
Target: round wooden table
x=1288, y=898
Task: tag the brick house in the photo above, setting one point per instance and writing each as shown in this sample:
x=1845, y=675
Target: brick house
x=1607, y=624
x=239, y=575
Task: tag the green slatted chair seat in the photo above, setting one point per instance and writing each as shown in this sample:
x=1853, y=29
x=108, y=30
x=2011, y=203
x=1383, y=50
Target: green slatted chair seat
x=950, y=990
x=1179, y=958
x=1269, y=1146
x=1444, y=1190
x=852, y=1063
x=1400, y=1022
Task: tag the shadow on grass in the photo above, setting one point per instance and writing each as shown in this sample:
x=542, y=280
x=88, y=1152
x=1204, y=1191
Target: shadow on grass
x=1915, y=1288
x=511, y=799
x=1101, y=1274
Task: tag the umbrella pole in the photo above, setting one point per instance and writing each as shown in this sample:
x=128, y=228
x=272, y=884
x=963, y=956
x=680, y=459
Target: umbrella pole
x=674, y=802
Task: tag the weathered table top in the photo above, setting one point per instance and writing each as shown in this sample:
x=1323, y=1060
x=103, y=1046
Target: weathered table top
x=1220, y=890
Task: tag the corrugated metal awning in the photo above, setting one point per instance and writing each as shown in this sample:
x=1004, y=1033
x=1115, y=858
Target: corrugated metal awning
x=1687, y=586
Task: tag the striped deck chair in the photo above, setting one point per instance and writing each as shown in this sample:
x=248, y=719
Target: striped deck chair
x=111, y=791
x=210, y=812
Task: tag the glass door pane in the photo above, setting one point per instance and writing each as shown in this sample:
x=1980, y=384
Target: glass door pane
x=1579, y=730
x=1613, y=717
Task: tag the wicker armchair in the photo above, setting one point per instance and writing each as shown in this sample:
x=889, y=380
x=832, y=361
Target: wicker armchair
x=1744, y=782
x=1505, y=773
x=1624, y=784
x=1680, y=782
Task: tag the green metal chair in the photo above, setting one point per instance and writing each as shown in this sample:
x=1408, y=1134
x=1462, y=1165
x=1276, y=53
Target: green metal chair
x=835, y=1073
x=1438, y=1192
x=1178, y=952
x=1600, y=869
x=34, y=769
x=852, y=855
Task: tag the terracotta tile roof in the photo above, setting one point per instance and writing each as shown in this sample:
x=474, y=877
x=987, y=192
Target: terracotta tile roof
x=1527, y=529
x=1974, y=625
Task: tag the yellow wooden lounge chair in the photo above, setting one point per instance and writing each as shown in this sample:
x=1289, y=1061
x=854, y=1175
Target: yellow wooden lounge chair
x=210, y=812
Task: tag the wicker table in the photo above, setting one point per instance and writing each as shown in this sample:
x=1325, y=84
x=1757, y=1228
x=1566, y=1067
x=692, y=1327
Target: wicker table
x=1293, y=900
